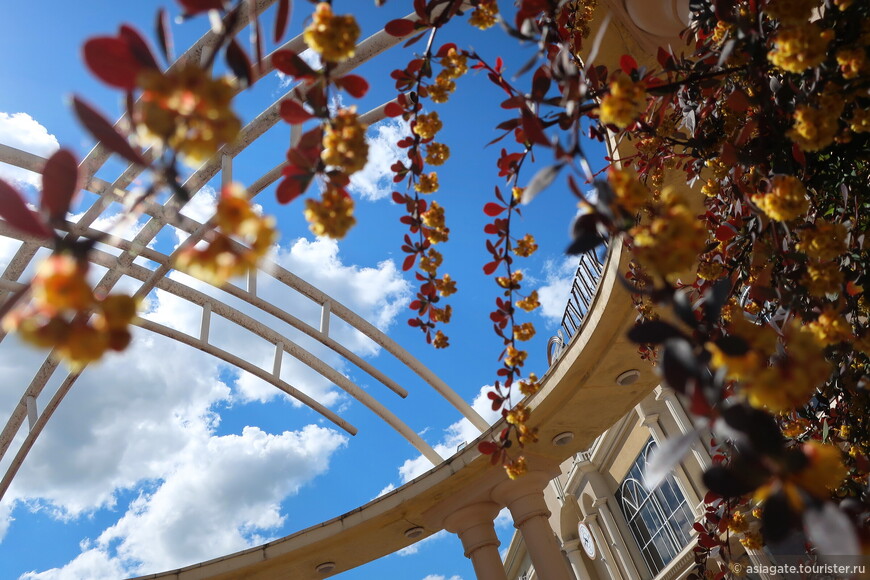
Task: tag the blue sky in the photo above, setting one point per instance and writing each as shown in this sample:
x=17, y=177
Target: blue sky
x=162, y=456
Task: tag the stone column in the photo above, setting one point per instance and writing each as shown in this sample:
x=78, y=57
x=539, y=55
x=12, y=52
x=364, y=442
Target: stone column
x=524, y=498
x=622, y=552
x=606, y=554
x=575, y=557
x=474, y=526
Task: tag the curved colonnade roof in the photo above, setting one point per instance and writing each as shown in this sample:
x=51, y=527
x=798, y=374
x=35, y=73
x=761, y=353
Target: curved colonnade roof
x=577, y=394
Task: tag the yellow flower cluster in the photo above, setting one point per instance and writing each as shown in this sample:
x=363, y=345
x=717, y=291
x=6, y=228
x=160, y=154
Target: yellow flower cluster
x=222, y=258
x=440, y=90
x=824, y=240
x=852, y=61
x=800, y=47
x=445, y=285
x=427, y=183
x=671, y=242
x=454, y=66
x=484, y=14
x=710, y=270
x=526, y=246
x=440, y=340
x=831, y=327
x=815, y=128
x=786, y=200
x=530, y=386
x=58, y=315
x=860, y=121
x=791, y=11
x=631, y=194
x=737, y=523
x=427, y=125
x=515, y=357
x=512, y=283
x=530, y=302
x=186, y=110
x=441, y=314
x=333, y=37
x=823, y=278
x=524, y=331
x=624, y=103
x=437, y=153
x=344, y=142
x=518, y=415
x=433, y=219
x=578, y=15
x=825, y=471
x=431, y=261
x=332, y=215
x=516, y=468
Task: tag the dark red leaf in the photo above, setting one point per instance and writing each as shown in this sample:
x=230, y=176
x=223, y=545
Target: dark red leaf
x=627, y=64
x=14, y=210
x=400, y=27
x=533, y=130
x=192, y=7
x=355, y=85
x=103, y=131
x=409, y=262
x=493, y=209
x=293, y=112
x=164, y=35
x=138, y=46
x=281, y=19
x=398, y=197
x=393, y=109
x=289, y=63
x=490, y=268
x=60, y=178
x=487, y=447
x=725, y=232
x=239, y=63
x=111, y=60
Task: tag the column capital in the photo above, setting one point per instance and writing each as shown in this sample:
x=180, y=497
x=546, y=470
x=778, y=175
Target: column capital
x=464, y=518
x=571, y=545
x=524, y=496
x=651, y=419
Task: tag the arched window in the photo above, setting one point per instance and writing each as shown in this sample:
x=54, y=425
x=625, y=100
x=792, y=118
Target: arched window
x=660, y=520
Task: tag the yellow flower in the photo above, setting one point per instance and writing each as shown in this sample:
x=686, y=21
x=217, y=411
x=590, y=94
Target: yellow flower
x=514, y=357
x=518, y=415
x=815, y=129
x=526, y=246
x=446, y=285
x=517, y=193
x=84, y=344
x=631, y=194
x=526, y=434
x=752, y=541
x=433, y=219
x=624, y=103
x=430, y=262
x=851, y=61
x=455, y=64
x=737, y=523
x=440, y=340
x=516, y=468
x=786, y=200
x=437, y=153
x=333, y=37
x=530, y=302
x=427, y=125
x=825, y=471
x=860, y=121
x=441, y=314
x=186, y=110
x=831, y=327
x=524, y=331
x=484, y=14
x=427, y=183
x=344, y=142
x=824, y=240
x=332, y=215
x=60, y=284
x=440, y=90
x=710, y=270
x=823, y=278
x=513, y=282
x=800, y=47
x=530, y=386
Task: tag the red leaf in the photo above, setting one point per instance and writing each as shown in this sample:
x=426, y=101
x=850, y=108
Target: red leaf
x=737, y=101
x=487, y=447
x=294, y=184
x=798, y=154
x=14, y=210
x=103, y=131
x=293, y=112
x=138, y=46
x=493, y=209
x=414, y=322
x=725, y=232
x=409, y=262
x=490, y=268
x=164, y=34
x=627, y=64
x=112, y=61
x=354, y=84
x=239, y=63
x=281, y=19
x=400, y=27
x=398, y=197
x=289, y=63
x=533, y=129
x=60, y=178
x=192, y=7
x=445, y=48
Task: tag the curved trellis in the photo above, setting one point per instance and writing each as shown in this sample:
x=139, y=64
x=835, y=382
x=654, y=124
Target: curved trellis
x=159, y=216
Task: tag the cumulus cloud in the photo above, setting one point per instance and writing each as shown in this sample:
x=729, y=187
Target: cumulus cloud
x=554, y=293
x=454, y=435
x=441, y=577
x=376, y=179
x=22, y=131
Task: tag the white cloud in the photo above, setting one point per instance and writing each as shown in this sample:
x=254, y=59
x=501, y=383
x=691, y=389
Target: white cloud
x=415, y=547
x=22, y=131
x=554, y=294
x=456, y=434
x=441, y=577
x=390, y=487
x=375, y=181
